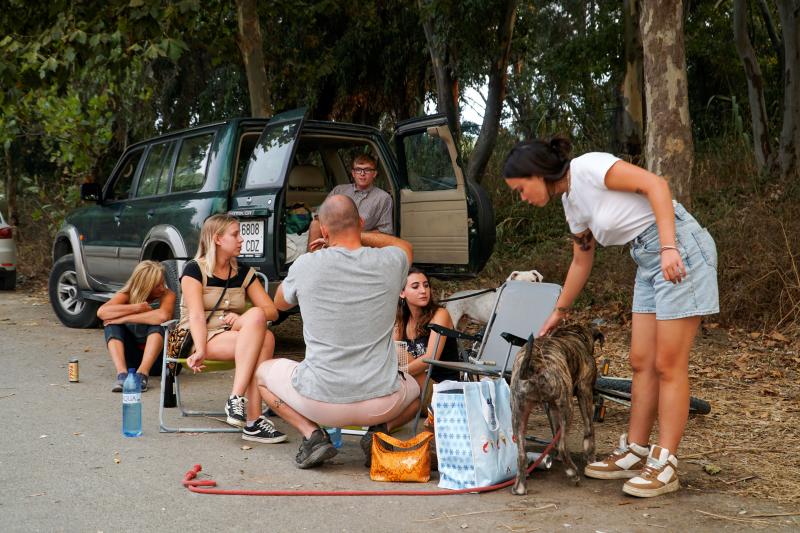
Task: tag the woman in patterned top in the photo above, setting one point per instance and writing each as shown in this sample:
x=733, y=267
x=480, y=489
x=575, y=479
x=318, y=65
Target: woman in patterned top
x=415, y=311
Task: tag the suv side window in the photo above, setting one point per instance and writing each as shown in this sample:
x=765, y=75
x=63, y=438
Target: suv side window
x=428, y=163
x=156, y=170
x=190, y=171
x=121, y=188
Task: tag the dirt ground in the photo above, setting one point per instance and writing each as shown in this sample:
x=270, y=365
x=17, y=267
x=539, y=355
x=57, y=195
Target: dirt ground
x=745, y=446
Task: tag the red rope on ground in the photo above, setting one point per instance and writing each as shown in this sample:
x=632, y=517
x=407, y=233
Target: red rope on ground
x=197, y=485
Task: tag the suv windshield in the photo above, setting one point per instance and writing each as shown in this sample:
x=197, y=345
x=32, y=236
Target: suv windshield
x=270, y=159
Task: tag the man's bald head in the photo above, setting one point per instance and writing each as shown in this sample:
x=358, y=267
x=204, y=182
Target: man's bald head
x=339, y=214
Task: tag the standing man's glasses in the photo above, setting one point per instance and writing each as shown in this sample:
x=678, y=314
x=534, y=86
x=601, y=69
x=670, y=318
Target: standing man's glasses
x=362, y=171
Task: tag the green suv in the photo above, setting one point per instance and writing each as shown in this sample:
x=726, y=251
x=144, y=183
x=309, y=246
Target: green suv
x=162, y=189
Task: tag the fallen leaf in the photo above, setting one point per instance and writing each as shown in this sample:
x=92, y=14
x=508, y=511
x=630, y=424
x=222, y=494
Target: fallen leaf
x=42, y=436
x=464, y=526
x=117, y=460
x=246, y=447
x=712, y=469
x=755, y=335
x=777, y=336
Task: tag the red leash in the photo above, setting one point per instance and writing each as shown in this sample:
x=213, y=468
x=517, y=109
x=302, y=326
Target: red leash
x=197, y=485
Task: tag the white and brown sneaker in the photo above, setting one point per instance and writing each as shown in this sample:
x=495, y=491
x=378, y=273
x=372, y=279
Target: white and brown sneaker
x=624, y=463
x=659, y=476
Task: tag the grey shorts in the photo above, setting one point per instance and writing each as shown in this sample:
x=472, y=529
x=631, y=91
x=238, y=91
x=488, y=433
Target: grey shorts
x=697, y=294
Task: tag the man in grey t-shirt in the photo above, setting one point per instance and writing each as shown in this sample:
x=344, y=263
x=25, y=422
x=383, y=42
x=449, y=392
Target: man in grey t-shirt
x=348, y=293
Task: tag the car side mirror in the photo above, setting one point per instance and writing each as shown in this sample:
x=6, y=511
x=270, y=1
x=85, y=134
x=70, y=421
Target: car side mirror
x=90, y=192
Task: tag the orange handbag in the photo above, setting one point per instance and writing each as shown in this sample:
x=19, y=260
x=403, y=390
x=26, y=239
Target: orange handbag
x=398, y=460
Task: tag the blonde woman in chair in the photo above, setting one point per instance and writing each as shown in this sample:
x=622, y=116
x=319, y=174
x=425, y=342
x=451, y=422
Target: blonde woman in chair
x=233, y=333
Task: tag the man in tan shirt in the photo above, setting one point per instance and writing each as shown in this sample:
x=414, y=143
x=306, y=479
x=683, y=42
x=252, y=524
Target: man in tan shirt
x=374, y=204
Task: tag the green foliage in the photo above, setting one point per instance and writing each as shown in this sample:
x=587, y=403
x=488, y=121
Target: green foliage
x=567, y=62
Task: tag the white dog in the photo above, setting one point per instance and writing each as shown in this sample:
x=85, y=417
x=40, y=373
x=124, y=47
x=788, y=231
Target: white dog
x=479, y=308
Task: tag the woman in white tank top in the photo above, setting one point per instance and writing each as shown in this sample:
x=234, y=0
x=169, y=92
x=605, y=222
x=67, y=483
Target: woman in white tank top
x=611, y=202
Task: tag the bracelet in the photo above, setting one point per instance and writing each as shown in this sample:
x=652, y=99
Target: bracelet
x=668, y=247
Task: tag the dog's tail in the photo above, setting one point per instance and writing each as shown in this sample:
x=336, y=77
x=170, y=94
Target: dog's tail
x=526, y=366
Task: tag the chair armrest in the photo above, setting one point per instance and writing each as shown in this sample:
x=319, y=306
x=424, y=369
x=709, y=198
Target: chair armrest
x=514, y=340
x=169, y=323
x=454, y=334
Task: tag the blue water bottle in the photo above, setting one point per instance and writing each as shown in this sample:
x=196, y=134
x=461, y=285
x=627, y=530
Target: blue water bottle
x=336, y=436
x=131, y=405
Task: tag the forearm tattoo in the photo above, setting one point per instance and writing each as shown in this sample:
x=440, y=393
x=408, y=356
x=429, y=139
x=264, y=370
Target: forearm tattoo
x=584, y=240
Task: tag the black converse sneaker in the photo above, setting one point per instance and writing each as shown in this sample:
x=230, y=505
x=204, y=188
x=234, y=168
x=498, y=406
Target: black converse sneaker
x=234, y=409
x=315, y=450
x=264, y=431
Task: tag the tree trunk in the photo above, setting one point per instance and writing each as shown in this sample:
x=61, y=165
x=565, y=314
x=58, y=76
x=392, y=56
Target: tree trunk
x=498, y=82
x=632, y=124
x=755, y=85
x=250, y=44
x=11, y=190
x=446, y=82
x=766, y=15
x=789, y=12
x=669, y=150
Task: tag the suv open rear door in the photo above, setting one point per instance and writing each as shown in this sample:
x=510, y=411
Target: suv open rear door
x=437, y=211
x=258, y=200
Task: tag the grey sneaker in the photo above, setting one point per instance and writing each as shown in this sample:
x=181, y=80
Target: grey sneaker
x=234, y=409
x=118, y=383
x=263, y=430
x=142, y=380
x=315, y=450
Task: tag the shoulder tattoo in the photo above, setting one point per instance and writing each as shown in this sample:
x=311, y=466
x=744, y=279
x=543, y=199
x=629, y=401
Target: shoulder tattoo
x=584, y=240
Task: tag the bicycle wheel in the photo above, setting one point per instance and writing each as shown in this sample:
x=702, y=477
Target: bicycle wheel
x=620, y=388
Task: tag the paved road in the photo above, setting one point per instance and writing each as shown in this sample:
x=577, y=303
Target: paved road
x=64, y=465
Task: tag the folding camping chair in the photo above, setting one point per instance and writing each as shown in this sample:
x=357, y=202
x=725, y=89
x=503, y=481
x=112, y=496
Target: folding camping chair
x=520, y=310
x=171, y=370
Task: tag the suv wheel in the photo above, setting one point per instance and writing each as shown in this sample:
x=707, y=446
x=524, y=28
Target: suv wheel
x=65, y=296
x=173, y=283
x=9, y=281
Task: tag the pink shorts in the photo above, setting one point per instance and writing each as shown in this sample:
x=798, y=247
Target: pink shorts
x=276, y=375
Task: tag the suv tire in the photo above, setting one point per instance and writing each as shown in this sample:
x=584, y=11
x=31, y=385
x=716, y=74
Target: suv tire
x=65, y=296
x=483, y=209
x=9, y=281
x=172, y=281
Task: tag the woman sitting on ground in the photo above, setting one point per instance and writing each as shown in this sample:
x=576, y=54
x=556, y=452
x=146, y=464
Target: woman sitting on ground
x=132, y=317
x=416, y=310
x=233, y=332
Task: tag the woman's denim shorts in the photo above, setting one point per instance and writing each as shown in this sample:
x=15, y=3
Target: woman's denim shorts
x=697, y=294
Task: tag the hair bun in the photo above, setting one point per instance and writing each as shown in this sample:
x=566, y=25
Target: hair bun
x=561, y=146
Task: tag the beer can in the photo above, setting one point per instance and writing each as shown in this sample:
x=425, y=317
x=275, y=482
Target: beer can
x=73, y=371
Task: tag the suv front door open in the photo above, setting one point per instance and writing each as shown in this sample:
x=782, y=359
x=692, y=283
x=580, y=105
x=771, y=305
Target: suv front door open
x=433, y=196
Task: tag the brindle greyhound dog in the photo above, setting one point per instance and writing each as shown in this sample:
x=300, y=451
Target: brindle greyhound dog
x=552, y=370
